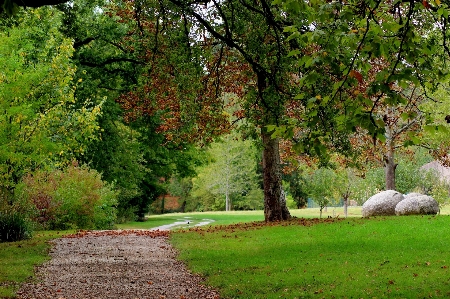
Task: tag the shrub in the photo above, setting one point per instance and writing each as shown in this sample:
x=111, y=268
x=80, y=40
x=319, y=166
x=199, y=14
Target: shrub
x=14, y=227
x=73, y=198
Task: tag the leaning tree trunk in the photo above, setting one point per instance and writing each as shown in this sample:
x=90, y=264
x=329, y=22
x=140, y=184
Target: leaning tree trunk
x=274, y=203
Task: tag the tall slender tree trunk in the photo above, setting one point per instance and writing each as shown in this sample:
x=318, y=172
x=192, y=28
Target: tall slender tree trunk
x=227, y=178
x=274, y=205
x=389, y=163
x=345, y=196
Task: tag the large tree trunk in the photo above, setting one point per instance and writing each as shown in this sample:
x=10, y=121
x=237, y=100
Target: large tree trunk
x=274, y=204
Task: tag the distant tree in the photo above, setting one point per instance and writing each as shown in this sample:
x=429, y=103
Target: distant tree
x=231, y=174
x=321, y=186
x=297, y=187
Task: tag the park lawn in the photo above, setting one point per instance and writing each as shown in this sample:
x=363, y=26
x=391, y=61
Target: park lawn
x=18, y=259
x=382, y=257
x=223, y=218
x=220, y=218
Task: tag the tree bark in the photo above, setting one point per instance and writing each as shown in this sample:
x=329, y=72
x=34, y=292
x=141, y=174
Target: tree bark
x=274, y=207
x=345, y=207
x=390, y=166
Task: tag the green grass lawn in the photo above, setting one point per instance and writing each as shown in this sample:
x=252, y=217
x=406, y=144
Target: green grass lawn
x=383, y=257
x=220, y=218
x=17, y=260
x=392, y=257
x=223, y=218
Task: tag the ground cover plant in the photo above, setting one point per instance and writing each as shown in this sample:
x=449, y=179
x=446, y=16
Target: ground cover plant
x=383, y=257
x=32, y=252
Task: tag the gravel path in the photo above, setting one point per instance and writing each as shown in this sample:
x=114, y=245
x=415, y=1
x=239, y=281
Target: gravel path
x=115, y=264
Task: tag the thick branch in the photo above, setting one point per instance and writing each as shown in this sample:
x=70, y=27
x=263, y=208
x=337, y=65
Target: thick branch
x=79, y=43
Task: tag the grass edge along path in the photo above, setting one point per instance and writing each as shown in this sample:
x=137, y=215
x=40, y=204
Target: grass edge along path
x=382, y=257
x=19, y=259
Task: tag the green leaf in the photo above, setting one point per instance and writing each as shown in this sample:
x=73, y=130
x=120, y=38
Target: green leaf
x=381, y=137
x=294, y=53
x=300, y=96
x=404, y=116
x=429, y=129
x=415, y=140
x=271, y=128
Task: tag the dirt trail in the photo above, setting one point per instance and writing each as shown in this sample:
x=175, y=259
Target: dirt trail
x=115, y=264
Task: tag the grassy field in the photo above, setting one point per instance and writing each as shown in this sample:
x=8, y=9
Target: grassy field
x=223, y=218
x=17, y=260
x=392, y=257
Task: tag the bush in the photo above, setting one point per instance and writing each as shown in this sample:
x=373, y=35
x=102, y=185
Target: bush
x=73, y=198
x=14, y=227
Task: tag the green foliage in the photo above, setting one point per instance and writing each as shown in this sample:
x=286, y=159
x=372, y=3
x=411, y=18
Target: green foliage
x=42, y=123
x=295, y=186
x=181, y=188
x=364, y=65
x=119, y=156
x=73, y=198
x=435, y=134
x=230, y=176
x=14, y=226
x=322, y=187
x=15, y=221
x=440, y=192
x=372, y=183
x=409, y=176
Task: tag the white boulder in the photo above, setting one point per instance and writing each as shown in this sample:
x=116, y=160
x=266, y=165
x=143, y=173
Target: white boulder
x=417, y=205
x=412, y=194
x=382, y=204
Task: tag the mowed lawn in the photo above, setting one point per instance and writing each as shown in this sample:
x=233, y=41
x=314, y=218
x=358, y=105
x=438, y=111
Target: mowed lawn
x=224, y=218
x=382, y=257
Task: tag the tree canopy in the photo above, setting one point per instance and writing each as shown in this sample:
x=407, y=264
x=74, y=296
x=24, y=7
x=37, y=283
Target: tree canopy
x=174, y=74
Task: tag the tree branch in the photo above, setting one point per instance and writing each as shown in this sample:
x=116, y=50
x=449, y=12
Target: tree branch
x=79, y=43
x=110, y=61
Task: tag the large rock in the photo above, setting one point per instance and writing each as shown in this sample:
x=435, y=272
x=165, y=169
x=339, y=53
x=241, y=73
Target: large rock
x=412, y=194
x=417, y=205
x=382, y=204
